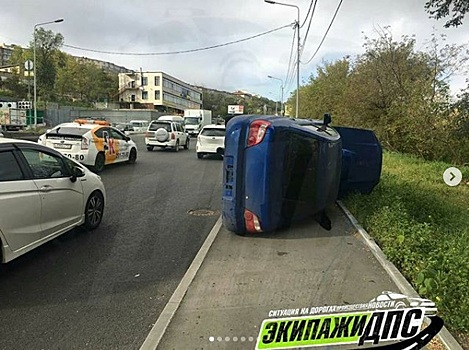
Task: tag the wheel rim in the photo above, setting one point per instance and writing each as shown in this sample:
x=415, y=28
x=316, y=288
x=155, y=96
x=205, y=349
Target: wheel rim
x=95, y=210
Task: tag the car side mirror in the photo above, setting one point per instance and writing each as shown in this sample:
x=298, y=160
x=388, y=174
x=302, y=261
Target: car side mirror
x=76, y=173
x=127, y=138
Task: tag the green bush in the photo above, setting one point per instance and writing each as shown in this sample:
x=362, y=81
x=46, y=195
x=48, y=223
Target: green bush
x=422, y=225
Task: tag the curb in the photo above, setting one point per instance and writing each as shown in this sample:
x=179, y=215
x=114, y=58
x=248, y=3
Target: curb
x=404, y=286
x=159, y=328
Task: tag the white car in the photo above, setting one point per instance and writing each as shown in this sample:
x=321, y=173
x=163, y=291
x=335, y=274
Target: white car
x=167, y=133
x=211, y=140
x=94, y=143
x=43, y=195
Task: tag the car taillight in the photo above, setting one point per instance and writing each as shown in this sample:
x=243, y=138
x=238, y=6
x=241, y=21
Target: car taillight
x=257, y=131
x=251, y=221
x=85, y=143
x=147, y=134
x=173, y=136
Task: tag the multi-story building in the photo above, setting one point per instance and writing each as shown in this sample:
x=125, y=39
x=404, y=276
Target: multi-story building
x=5, y=54
x=165, y=92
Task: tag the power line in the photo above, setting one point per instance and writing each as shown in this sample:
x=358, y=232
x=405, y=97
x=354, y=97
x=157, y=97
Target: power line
x=289, y=60
x=310, y=5
x=177, y=52
x=325, y=34
x=309, y=26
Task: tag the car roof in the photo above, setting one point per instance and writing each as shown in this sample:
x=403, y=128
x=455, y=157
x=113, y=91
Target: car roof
x=214, y=126
x=9, y=140
x=89, y=126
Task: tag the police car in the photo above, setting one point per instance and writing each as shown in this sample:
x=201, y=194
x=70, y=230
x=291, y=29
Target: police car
x=94, y=143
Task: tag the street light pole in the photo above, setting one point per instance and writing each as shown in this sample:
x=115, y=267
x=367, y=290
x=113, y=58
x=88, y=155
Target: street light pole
x=297, y=52
x=281, y=100
x=34, y=66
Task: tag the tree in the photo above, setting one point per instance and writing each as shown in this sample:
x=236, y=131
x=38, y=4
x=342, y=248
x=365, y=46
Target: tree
x=442, y=8
x=47, y=52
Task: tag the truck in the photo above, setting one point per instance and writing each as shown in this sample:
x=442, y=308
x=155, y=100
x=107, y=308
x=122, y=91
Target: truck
x=12, y=119
x=196, y=119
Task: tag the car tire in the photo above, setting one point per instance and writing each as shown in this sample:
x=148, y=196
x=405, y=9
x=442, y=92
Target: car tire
x=186, y=146
x=132, y=156
x=176, y=148
x=99, y=162
x=200, y=155
x=149, y=148
x=94, y=210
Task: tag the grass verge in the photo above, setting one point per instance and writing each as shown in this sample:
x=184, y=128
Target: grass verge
x=422, y=225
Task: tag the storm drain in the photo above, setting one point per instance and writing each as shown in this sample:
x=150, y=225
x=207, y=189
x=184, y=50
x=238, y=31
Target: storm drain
x=203, y=212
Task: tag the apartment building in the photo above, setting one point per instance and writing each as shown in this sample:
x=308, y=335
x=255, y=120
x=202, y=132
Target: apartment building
x=165, y=92
x=5, y=54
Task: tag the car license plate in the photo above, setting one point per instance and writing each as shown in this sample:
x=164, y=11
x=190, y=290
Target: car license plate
x=62, y=146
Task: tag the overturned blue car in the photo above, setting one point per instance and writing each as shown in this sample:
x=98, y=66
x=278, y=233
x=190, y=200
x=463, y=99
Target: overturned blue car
x=278, y=171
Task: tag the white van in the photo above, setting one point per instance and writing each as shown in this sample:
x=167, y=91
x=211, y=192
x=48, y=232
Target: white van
x=139, y=125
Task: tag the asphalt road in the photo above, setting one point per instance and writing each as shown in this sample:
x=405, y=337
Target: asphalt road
x=105, y=289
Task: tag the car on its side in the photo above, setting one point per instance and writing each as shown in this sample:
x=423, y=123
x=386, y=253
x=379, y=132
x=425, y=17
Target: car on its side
x=94, y=143
x=43, y=194
x=211, y=140
x=167, y=132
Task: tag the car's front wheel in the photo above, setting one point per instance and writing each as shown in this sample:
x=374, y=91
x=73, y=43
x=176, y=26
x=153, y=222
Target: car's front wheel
x=132, y=156
x=99, y=162
x=94, y=210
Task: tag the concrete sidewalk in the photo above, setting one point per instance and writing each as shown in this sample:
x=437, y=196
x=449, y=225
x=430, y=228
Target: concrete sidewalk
x=242, y=278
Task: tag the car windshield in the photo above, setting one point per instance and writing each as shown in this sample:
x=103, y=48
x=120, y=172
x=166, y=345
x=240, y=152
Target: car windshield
x=159, y=125
x=191, y=120
x=213, y=132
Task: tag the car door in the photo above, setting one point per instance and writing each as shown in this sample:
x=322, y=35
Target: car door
x=20, y=202
x=181, y=135
x=122, y=145
x=62, y=200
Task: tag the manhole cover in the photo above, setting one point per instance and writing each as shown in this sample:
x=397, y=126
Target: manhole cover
x=202, y=212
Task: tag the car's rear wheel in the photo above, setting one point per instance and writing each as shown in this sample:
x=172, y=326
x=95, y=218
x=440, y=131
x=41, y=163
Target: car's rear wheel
x=200, y=155
x=94, y=210
x=149, y=148
x=186, y=146
x=99, y=162
x=176, y=148
x=132, y=156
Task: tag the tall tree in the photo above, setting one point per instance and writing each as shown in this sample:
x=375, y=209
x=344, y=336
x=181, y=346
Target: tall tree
x=47, y=51
x=443, y=8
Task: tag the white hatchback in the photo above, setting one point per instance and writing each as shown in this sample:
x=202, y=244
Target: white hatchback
x=211, y=140
x=43, y=194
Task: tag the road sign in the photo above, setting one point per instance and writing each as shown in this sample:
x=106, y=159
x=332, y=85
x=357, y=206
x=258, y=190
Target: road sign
x=28, y=65
x=235, y=109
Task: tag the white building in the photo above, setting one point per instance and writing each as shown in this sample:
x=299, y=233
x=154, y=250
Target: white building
x=165, y=92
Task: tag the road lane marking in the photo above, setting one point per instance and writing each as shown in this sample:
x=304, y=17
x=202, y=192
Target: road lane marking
x=162, y=323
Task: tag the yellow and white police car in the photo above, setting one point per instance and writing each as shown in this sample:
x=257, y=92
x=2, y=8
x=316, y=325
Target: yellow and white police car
x=94, y=143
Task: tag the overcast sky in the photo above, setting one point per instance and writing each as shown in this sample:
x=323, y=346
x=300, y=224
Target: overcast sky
x=172, y=25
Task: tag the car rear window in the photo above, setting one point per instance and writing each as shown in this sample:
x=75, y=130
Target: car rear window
x=156, y=126
x=213, y=132
x=69, y=130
